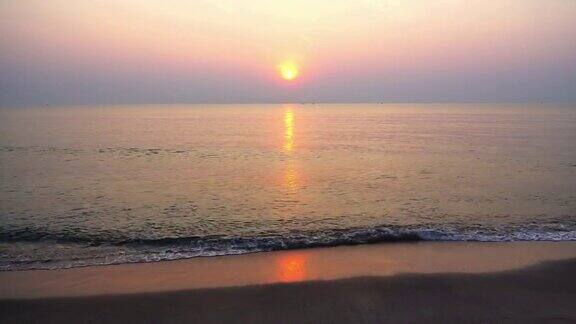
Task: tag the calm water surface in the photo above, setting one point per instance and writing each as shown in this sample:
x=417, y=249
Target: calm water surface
x=114, y=184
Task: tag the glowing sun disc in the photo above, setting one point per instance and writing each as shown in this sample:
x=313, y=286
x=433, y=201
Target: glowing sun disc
x=288, y=71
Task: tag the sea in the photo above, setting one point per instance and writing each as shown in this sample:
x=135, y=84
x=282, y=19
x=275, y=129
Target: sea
x=98, y=185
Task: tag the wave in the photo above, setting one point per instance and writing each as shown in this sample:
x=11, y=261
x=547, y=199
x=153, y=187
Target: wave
x=334, y=236
x=131, y=250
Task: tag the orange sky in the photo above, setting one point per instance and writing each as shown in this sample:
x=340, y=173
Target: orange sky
x=227, y=42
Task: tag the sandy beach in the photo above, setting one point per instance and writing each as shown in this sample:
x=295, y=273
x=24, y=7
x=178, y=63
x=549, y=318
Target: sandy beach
x=404, y=282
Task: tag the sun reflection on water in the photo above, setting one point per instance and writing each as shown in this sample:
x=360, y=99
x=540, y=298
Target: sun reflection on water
x=288, y=130
x=291, y=176
x=291, y=179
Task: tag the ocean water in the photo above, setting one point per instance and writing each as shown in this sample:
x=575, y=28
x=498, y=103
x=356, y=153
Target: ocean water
x=115, y=184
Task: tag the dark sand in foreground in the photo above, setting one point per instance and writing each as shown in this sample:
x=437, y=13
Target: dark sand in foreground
x=540, y=292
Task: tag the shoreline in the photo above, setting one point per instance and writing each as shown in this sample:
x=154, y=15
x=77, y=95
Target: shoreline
x=540, y=292
x=290, y=266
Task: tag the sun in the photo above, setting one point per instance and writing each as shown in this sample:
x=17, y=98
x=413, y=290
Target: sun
x=288, y=71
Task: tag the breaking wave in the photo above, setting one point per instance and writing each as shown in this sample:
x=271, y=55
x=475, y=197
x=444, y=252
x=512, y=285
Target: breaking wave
x=116, y=250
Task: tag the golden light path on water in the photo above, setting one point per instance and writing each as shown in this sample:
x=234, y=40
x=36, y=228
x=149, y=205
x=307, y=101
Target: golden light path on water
x=291, y=173
x=291, y=176
x=291, y=267
x=288, y=129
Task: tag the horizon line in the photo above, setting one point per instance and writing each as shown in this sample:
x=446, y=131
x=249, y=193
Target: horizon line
x=383, y=102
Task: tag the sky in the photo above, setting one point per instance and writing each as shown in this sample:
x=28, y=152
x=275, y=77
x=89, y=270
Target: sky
x=219, y=51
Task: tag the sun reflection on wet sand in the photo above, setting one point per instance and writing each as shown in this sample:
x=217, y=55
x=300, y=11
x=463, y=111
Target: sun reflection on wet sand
x=291, y=267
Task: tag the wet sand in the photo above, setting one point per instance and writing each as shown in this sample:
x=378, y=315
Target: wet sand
x=432, y=282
